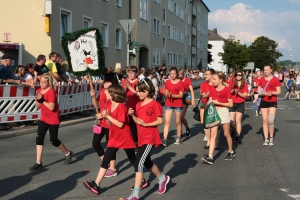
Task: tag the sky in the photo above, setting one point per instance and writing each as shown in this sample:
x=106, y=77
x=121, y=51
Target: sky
x=278, y=20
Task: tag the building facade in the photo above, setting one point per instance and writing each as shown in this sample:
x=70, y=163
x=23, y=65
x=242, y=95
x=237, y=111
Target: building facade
x=173, y=32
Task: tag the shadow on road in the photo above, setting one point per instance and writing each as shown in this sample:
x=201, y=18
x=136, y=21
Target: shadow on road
x=180, y=167
x=54, y=189
x=260, y=132
x=11, y=184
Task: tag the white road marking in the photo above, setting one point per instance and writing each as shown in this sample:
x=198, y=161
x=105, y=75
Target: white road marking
x=284, y=190
x=295, y=196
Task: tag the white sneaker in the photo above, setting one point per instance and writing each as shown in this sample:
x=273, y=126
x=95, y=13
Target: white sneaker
x=204, y=139
x=271, y=143
x=266, y=142
x=178, y=141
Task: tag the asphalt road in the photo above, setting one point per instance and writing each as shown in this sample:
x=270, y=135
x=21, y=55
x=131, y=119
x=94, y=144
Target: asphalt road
x=258, y=172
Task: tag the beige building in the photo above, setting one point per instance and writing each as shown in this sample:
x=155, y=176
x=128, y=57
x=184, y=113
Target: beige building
x=169, y=31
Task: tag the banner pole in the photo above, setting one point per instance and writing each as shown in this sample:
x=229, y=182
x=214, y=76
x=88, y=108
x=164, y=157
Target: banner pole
x=92, y=88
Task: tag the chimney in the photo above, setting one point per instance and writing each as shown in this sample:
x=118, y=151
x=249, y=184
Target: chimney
x=215, y=31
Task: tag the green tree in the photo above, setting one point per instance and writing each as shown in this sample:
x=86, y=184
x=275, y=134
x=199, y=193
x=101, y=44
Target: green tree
x=236, y=55
x=263, y=50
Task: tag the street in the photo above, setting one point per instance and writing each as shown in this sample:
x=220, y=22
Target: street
x=257, y=172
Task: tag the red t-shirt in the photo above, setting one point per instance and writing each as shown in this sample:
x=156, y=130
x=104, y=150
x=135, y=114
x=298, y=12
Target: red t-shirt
x=256, y=81
x=132, y=99
x=221, y=96
x=204, y=88
x=120, y=138
x=148, y=113
x=104, y=103
x=274, y=82
x=186, y=84
x=235, y=97
x=174, y=89
x=48, y=116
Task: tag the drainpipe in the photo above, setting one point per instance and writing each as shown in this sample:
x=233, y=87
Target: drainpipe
x=191, y=2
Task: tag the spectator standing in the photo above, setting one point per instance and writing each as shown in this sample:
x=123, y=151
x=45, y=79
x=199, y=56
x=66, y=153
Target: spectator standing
x=52, y=66
x=60, y=70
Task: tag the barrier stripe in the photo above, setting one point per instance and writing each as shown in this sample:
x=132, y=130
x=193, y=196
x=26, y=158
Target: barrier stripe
x=13, y=91
x=25, y=91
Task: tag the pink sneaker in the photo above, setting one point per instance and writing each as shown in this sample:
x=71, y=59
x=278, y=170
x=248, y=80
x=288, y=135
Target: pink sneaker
x=110, y=173
x=130, y=198
x=163, y=186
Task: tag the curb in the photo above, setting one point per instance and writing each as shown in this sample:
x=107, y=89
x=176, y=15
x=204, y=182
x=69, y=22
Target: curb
x=34, y=130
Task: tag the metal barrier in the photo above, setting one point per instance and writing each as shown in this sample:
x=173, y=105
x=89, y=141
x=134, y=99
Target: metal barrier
x=17, y=103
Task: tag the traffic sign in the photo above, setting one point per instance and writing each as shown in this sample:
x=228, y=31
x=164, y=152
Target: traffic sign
x=127, y=25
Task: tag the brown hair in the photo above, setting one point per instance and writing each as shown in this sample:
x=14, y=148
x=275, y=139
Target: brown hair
x=143, y=87
x=235, y=83
x=117, y=93
x=174, y=69
x=29, y=66
x=268, y=65
x=18, y=70
x=132, y=69
x=221, y=76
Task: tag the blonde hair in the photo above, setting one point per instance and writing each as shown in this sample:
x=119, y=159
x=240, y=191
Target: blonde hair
x=221, y=76
x=65, y=66
x=49, y=78
x=181, y=70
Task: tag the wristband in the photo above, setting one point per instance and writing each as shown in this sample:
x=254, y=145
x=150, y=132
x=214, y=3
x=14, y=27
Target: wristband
x=41, y=100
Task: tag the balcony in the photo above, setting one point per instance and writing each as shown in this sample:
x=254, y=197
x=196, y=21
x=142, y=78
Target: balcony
x=193, y=50
x=194, y=11
x=194, y=31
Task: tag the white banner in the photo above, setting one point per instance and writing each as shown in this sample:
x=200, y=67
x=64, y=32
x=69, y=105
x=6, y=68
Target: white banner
x=83, y=52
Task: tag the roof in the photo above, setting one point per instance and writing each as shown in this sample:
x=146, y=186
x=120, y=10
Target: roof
x=213, y=35
x=205, y=5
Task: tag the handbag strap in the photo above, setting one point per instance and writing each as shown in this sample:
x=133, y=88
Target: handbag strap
x=267, y=84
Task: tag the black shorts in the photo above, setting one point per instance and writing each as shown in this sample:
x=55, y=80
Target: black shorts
x=255, y=93
x=238, y=107
x=264, y=104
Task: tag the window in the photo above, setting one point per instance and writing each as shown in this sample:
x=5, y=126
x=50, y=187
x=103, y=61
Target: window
x=87, y=22
x=189, y=40
x=185, y=7
x=189, y=61
x=144, y=9
x=175, y=59
x=189, y=20
x=65, y=21
x=170, y=5
x=164, y=17
x=170, y=32
x=170, y=57
x=181, y=14
x=156, y=57
x=118, y=38
x=164, y=45
x=176, y=9
x=198, y=44
x=119, y=3
x=156, y=26
x=104, y=33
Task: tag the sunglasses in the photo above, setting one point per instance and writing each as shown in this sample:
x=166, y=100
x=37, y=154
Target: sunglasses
x=143, y=80
x=239, y=75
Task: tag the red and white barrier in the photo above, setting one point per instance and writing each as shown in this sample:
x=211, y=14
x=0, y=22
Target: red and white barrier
x=17, y=103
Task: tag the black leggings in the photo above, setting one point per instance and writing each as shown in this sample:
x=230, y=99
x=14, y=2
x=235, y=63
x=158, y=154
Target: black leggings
x=133, y=130
x=43, y=127
x=97, y=140
x=143, y=158
x=110, y=151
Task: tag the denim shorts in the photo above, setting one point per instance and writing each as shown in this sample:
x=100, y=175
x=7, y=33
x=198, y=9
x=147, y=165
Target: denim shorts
x=176, y=109
x=298, y=87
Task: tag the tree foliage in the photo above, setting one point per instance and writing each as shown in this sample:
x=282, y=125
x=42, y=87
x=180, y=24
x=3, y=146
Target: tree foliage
x=263, y=50
x=236, y=55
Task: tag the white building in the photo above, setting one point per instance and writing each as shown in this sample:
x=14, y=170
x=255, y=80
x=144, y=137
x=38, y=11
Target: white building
x=217, y=43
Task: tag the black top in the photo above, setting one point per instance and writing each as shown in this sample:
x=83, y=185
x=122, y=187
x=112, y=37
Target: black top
x=41, y=69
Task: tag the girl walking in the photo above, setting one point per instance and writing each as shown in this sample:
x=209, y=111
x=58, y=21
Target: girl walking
x=148, y=116
x=239, y=89
x=120, y=136
x=221, y=97
x=269, y=88
x=255, y=85
x=108, y=79
x=46, y=100
x=205, y=88
x=187, y=85
x=173, y=92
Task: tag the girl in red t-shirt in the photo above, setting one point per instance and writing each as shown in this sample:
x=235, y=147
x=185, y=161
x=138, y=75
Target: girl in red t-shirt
x=205, y=88
x=239, y=89
x=120, y=136
x=221, y=97
x=188, y=86
x=173, y=92
x=148, y=115
x=269, y=88
x=255, y=85
x=132, y=99
x=108, y=79
x=46, y=100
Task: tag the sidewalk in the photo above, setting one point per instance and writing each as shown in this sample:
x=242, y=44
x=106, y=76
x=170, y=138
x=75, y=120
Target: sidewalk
x=18, y=131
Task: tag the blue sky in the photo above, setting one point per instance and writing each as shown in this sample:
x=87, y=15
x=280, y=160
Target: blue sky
x=278, y=20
